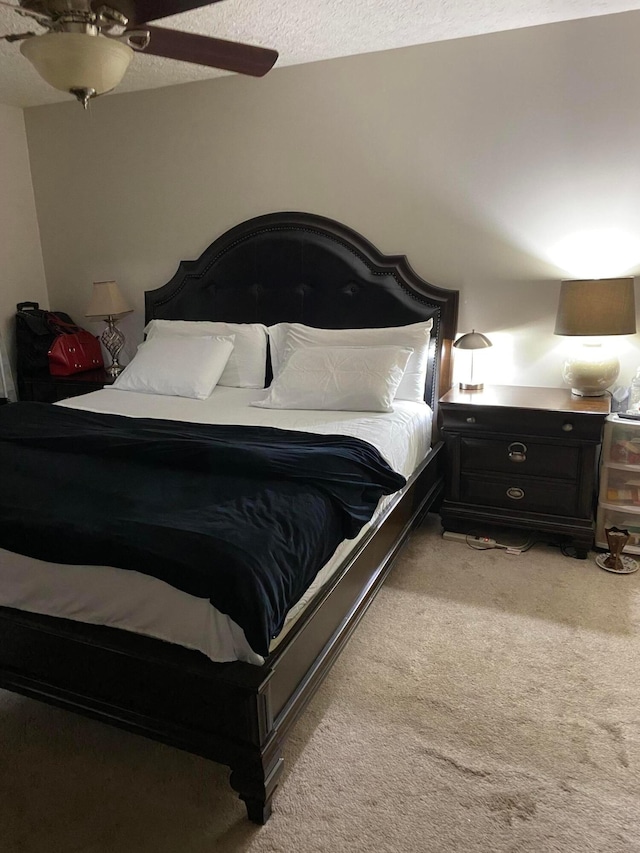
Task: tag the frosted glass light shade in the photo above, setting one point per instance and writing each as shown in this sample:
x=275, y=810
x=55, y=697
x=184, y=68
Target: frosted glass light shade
x=70, y=61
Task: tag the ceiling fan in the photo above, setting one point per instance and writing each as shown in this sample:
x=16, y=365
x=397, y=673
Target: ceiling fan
x=88, y=46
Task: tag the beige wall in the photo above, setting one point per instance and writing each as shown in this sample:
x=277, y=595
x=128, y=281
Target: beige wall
x=474, y=157
x=20, y=254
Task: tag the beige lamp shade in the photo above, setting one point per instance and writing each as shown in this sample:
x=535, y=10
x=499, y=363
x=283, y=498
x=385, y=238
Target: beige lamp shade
x=107, y=300
x=69, y=61
x=596, y=307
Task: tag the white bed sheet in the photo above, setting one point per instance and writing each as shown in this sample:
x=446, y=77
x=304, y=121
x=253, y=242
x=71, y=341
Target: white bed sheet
x=136, y=602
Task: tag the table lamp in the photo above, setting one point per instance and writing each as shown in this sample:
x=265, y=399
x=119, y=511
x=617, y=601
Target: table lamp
x=594, y=308
x=108, y=303
x=472, y=341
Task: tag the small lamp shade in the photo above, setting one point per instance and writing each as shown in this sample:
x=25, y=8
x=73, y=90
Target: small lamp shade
x=594, y=308
x=472, y=341
x=107, y=301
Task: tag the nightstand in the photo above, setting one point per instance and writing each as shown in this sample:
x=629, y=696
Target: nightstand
x=522, y=457
x=44, y=388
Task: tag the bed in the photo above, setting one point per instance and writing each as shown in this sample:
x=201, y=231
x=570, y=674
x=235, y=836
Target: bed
x=282, y=267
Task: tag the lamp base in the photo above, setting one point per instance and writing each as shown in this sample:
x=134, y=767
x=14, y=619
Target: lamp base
x=576, y=392
x=113, y=341
x=114, y=369
x=590, y=370
x=468, y=386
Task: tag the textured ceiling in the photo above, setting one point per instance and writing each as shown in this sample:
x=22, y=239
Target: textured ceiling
x=304, y=31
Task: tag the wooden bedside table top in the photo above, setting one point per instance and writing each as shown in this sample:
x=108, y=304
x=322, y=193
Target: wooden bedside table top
x=45, y=388
x=99, y=375
x=528, y=397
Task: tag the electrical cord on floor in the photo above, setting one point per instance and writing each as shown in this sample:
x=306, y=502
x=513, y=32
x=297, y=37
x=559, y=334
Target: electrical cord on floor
x=475, y=546
x=485, y=543
x=566, y=550
x=520, y=549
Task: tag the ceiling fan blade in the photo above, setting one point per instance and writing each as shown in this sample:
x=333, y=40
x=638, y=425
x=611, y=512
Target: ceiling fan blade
x=17, y=37
x=217, y=53
x=27, y=13
x=141, y=11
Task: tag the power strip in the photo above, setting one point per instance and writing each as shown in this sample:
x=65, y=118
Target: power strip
x=482, y=543
x=471, y=540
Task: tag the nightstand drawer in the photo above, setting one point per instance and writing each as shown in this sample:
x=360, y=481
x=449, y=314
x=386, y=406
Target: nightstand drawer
x=517, y=457
x=520, y=494
x=542, y=424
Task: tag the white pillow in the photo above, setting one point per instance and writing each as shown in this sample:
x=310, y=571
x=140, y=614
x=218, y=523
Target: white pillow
x=247, y=366
x=354, y=379
x=285, y=336
x=177, y=365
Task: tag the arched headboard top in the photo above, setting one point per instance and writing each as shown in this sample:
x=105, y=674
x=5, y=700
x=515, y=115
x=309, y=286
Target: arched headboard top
x=300, y=267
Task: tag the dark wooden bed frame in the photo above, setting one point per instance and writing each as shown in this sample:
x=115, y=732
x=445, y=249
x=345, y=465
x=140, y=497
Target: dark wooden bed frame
x=278, y=267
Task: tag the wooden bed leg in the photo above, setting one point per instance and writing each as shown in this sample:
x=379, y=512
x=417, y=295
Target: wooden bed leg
x=256, y=783
x=258, y=811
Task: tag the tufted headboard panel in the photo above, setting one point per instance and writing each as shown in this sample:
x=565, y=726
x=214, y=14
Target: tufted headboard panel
x=299, y=267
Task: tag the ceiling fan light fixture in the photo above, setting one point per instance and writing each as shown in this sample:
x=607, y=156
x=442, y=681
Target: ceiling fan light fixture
x=78, y=62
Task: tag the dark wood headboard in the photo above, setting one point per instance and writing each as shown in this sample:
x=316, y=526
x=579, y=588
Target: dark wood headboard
x=299, y=267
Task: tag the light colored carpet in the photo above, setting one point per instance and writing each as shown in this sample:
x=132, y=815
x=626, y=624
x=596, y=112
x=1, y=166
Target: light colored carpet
x=487, y=703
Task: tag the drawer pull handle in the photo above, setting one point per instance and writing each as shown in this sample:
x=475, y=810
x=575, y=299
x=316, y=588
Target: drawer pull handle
x=471, y=420
x=517, y=452
x=515, y=493
x=567, y=426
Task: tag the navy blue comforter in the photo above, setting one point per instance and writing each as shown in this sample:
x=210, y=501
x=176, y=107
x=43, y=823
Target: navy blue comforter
x=242, y=516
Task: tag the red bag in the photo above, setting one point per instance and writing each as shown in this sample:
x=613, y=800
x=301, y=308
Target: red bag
x=74, y=350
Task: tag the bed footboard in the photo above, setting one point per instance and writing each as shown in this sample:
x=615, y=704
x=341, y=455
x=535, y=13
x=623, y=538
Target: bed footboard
x=236, y=714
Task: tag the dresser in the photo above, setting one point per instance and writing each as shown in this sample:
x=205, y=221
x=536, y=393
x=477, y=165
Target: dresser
x=522, y=457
